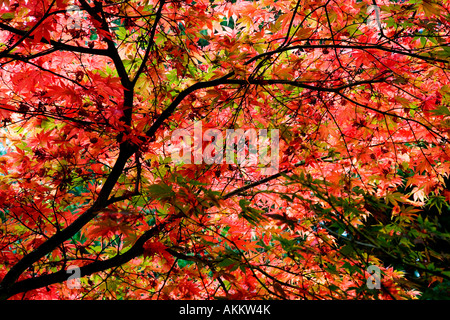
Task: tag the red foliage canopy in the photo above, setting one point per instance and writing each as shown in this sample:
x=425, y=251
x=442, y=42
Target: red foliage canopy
x=91, y=93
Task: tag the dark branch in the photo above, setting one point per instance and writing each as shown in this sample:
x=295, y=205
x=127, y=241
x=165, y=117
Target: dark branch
x=56, y=44
x=59, y=237
x=98, y=266
x=340, y=46
x=171, y=108
x=150, y=44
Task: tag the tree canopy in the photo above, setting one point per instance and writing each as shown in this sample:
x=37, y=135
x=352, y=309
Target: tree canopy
x=91, y=93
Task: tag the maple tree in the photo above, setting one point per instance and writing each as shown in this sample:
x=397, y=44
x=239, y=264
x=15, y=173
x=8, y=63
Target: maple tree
x=89, y=98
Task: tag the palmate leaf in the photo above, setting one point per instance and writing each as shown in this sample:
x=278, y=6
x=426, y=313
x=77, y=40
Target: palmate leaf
x=252, y=215
x=441, y=111
x=161, y=191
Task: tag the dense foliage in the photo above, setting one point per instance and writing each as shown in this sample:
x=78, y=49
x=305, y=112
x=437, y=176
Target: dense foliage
x=92, y=91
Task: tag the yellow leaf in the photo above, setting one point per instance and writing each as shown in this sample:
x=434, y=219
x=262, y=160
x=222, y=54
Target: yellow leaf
x=199, y=57
x=246, y=20
x=404, y=102
x=303, y=33
x=431, y=8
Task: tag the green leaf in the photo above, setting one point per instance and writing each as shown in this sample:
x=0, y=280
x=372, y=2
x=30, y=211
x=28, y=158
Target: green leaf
x=161, y=191
x=423, y=41
x=354, y=29
x=441, y=111
x=8, y=16
x=226, y=262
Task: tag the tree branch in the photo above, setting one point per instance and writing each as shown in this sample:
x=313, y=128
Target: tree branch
x=340, y=46
x=58, y=238
x=171, y=108
x=56, y=44
x=29, y=32
x=98, y=266
x=301, y=84
x=151, y=42
x=25, y=60
x=112, y=51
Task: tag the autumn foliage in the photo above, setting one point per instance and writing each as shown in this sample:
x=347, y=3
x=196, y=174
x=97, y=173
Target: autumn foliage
x=89, y=98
